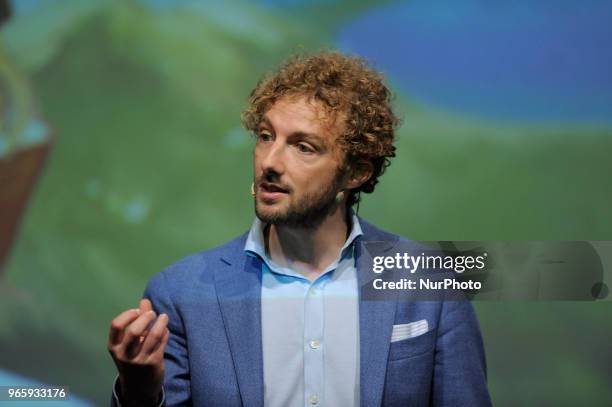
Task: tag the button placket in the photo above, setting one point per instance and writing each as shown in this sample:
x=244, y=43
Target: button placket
x=313, y=355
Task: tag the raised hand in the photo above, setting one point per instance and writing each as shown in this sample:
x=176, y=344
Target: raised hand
x=136, y=342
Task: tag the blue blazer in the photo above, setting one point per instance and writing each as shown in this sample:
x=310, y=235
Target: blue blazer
x=214, y=354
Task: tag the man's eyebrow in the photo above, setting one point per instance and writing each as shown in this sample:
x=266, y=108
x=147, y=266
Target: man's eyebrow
x=309, y=136
x=266, y=121
x=313, y=136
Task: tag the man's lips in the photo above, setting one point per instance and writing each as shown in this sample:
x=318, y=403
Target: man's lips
x=271, y=192
x=269, y=187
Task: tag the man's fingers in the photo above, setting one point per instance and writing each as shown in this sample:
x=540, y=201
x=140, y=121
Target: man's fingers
x=158, y=352
x=163, y=342
x=131, y=339
x=145, y=305
x=118, y=325
x=156, y=335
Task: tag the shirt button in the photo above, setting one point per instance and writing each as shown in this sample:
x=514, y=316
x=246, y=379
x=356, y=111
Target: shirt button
x=313, y=399
x=314, y=344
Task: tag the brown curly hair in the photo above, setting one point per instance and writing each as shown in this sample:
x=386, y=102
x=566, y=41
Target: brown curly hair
x=347, y=88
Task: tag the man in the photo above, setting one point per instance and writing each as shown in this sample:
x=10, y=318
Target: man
x=275, y=317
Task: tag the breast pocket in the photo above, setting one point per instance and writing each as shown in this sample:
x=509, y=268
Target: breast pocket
x=410, y=347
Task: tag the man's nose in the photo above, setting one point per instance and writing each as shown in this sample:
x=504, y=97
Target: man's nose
x=273, y=158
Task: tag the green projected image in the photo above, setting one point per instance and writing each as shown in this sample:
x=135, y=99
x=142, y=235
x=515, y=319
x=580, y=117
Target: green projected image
x=121, y=151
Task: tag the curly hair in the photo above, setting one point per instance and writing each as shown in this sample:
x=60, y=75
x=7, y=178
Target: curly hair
x=347, y=88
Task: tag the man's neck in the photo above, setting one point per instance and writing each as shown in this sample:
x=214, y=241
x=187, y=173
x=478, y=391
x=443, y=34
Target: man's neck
x=308, y=251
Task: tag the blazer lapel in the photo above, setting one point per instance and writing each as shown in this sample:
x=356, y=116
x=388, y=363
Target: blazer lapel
x=239, y=294
x=376, y=318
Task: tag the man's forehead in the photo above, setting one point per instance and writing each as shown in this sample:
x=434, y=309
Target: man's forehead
x=308, y=115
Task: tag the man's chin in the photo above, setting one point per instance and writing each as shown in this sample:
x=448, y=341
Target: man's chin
x=270, y=213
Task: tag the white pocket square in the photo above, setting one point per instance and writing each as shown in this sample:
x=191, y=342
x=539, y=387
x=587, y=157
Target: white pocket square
x=406, y=331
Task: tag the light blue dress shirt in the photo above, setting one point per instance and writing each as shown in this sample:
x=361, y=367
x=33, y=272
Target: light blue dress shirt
x=310, y=329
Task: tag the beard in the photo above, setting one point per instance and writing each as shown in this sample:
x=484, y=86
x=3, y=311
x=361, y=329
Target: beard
x=309, y=211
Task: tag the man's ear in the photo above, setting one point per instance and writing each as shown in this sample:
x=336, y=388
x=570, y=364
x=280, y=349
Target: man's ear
x=360, y=172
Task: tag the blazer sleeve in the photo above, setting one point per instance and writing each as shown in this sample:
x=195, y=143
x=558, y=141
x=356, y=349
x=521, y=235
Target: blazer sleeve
x=116, y=397
x=460, y=372
x=177, y=383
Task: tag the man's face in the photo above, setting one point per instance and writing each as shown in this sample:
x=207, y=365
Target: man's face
x=297, y=163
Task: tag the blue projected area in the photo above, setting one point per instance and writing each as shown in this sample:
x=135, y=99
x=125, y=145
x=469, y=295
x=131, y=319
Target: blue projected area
x=511, y=60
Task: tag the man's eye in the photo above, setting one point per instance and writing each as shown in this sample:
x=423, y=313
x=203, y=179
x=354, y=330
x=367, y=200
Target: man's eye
x=305, y=148
x=264, y=136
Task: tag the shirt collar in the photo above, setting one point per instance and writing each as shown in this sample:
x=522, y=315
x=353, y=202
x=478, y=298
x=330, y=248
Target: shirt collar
x=255, y=244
